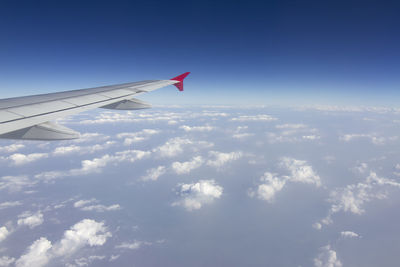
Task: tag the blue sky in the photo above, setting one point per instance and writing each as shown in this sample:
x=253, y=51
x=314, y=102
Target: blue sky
x=239, y=52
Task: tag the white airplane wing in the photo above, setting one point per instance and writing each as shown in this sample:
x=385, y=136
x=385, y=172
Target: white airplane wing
x=29, y=117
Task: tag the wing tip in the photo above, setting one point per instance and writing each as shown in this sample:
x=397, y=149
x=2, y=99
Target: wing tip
x=180, y=79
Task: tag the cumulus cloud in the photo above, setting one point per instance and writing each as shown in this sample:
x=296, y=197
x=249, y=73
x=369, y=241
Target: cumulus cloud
x=130, y=138
x=133, y=245
x=219, y=158
x=173, y=147
x=84, y=233
x=30, y=220
x=67, y=150
x=92, y=205
x=6, y=261
x=300, y=171
x=21, y=159
x=15, y=183
x=37, y=254
x=353, y=197
x=349, y=234
x=9, y=204
x=291, y=126
x=271, y=183
x=95, y=165
x=86, y=261
x=187, y=166
x=291, y=133
x=376, y=140
x=195, y=195
x=206, y=128
x=11, y=148
x=260, y=117
x=154, y=173
x=3, y=233
x=327, y=258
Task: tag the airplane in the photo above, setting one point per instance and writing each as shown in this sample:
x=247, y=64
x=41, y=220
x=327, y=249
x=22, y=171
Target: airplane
x=29, y=117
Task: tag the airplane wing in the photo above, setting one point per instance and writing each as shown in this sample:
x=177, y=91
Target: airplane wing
x=29, y=117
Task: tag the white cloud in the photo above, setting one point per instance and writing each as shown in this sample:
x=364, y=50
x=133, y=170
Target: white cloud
x=134, y=245
x=95, y=165
x=10, y=204
x=37, y=254
x=270, y=185
x=6, y=261
x=187, y=166
x=91, y=205
x=130, y=138
x=372, y=137
x=195, y=195
x=85, y=232
x=67, y=150
x=3, y=233
x=205, y=128
x=86, y=261
x=31, y=220
x=260, y=117
x=21, y=159
x=327, y=258
x=172, y=147
x=154, y=173
x=15, y=183
x=311, y=137
x=349, y=234
x=291, y=126
x=353, y=197
x=11, y=148
x=220, y=158
x=242, y=135
x=300, y=172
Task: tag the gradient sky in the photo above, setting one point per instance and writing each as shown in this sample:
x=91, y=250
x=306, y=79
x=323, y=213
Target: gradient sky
x=239, y=52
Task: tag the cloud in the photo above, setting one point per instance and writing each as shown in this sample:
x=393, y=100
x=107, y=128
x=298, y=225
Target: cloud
x=172, y=147
x=327, y=258
x=3, y=233
x=10, y=204
x=86, y=261
x=67, y=150
x=91, y=205
x=300, y=171
x=195, y=195
x=95, y=165
x=187, y=166
x=260, y=117
x=37, y=254
x=154, y=173
x=133, y=246
x=31, y=220
x=291, y=126
x=270, y=185
x=349, y=234
x=15, y=183
x=84, y=233
x=11, y=148
x=373, y=138
x=21, y=159
x=353, y=197
x=6, y=261
x=130, y=138
x=205, y=128
x=220, y=158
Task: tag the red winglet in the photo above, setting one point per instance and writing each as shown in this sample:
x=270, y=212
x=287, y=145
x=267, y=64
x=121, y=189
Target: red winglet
x=180, y=78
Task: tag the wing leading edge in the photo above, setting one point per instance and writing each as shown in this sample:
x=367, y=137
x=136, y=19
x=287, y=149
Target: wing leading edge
x=29, y=117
